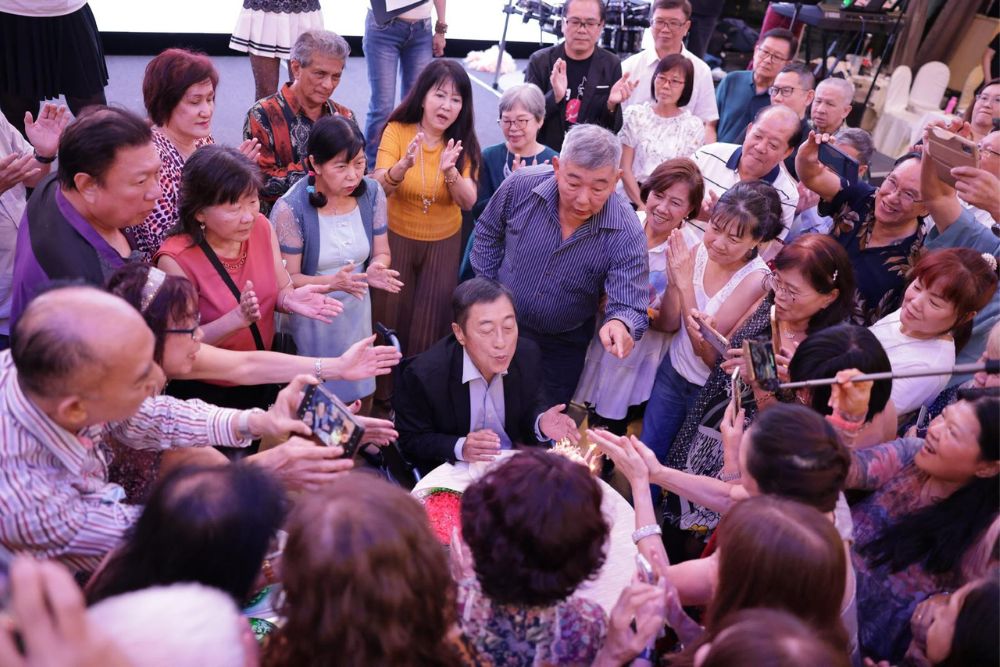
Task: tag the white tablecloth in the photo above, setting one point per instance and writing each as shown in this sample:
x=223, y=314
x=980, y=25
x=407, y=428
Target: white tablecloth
x=619, y=566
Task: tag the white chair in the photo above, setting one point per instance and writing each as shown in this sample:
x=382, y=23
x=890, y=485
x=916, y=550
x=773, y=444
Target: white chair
x=972, y=82
x=929, y=86
x=892, y=132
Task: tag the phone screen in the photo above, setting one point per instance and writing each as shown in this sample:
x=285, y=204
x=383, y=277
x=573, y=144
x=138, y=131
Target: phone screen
x=763, y=369
x=839, y=162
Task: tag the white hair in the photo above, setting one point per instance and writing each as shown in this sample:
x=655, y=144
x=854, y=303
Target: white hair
x=591, y=147
x=183, y=625
x=845, y=87
x=528, y=95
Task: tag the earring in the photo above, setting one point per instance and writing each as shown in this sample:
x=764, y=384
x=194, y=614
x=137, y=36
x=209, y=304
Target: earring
x=311, y=183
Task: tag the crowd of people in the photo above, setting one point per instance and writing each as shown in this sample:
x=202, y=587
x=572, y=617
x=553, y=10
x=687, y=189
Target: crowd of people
x=652, y=252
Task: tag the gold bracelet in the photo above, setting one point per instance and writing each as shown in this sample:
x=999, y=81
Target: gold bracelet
x=452, y=180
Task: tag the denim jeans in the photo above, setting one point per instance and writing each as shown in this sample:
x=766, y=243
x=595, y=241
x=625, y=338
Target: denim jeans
x=398, y=45
x=669, y=402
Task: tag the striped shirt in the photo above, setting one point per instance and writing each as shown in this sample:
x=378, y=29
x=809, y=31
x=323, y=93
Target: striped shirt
x=719, y=164
x=557, y=284
x=55, y=498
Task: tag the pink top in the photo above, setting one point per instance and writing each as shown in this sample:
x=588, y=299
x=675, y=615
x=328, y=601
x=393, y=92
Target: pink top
x=214, y=297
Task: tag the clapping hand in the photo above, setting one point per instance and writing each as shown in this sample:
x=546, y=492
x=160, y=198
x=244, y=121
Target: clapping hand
x=15, y=168
x=708, y=204
x=680, y=260
x=362, y=360
x=250, y=148
x=249, y=307
x=519, y=163
x=555, y=424
x=410, y=157
x=621, y=91
x=450, y=155
x=347, y=281
x=382, y=277
x=309, y=302
x=558, y=80
x=43, y=134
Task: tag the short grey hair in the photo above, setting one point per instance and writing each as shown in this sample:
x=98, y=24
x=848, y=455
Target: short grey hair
x=845, y=87
x=528, y=95
x=860, y=141
x=322, y=42
x=591, y=147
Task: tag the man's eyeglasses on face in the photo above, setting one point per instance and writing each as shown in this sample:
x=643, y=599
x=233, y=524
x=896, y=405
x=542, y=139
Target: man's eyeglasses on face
x=191, y=331
x=986, y=149
x=576, y=24
x=908, y=197
x=515, y=124
x=765, y=54
x=660, y=24
x=783, y=91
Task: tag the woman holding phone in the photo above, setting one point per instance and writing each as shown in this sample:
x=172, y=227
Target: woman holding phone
x=722, y=277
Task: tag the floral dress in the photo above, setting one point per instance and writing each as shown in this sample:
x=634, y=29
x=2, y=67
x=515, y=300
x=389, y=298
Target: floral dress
x=886, y=599
x=881, y=271
x=569, y=632
x=656, y=139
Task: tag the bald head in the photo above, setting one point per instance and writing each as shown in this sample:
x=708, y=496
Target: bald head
x=70, y=339
x=770, y=139
x=832, y=104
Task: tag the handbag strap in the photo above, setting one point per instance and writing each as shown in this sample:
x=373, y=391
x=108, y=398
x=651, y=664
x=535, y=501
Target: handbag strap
x=228, y=280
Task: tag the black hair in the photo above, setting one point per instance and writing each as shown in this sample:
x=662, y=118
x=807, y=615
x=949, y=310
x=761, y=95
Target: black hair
x=825, y=264
x=600, y=3
x=675, y=61
x=209, y=525
x=411, y=109
x=471, y=292
x=937, y=536
x=974, y=641
x=332, y=136
x=828, y=351
x=785, y=34
x=213, y=175
x=682, y=5
x=806, y=77
x=753, y=206
x=90, y=144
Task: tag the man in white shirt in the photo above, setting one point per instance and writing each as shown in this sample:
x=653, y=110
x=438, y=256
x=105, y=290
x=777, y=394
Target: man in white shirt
x=770, y=139
x=669, y=23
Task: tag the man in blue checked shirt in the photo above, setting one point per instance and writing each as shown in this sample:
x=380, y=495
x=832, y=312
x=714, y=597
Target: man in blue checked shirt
x=559, y=237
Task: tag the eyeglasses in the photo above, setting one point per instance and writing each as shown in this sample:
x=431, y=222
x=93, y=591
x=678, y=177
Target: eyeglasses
x=660, y=24
x=515, y=124
x=765, y=54
x=774, y=283
x=985, y=149
x=783, y=91
x=662, y=80
x=992, y=100
x=576, y=24
x=908, y=197
x=189, y=332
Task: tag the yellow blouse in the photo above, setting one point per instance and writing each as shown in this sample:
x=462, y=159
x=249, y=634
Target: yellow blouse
x=423, y=180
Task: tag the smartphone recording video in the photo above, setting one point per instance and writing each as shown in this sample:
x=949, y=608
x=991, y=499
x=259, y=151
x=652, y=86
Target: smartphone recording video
x=839, y=162
x=331, y=421
x=763, y=367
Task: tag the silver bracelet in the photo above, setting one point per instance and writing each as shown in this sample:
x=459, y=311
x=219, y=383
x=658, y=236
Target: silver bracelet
x=646, y=531
x=730, y=476
x=318, y=369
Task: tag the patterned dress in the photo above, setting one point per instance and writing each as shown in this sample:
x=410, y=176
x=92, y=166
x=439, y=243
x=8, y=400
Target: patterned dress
x=886, y=599
x=147, y=236
x=568, y=633
x=656, y=139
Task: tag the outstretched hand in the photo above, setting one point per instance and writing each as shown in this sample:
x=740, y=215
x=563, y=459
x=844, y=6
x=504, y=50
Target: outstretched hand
x=44, y=133
x=555, y=424
x=309, y=301
x=363, y=360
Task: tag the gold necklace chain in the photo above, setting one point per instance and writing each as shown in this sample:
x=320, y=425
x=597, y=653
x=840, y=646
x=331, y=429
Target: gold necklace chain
x=426, y=201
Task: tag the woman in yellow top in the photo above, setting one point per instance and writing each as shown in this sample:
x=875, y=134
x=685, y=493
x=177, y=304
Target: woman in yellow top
x=428, y=163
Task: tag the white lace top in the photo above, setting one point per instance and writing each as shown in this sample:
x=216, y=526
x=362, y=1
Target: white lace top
x=682, y=355
x=655, y=139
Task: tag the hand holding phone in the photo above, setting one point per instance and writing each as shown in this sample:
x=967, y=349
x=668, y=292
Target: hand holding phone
x=762, y=365
x=716, y=340
x=839, y=162
x=949, y=150
x=331, y=421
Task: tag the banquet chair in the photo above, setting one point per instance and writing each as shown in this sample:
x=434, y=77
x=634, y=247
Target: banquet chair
x=892, y=132
x=928, y=87
x=968, y=95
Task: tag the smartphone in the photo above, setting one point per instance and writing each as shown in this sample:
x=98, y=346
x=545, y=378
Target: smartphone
x=645, y=570
x=763, y=368
x=923, y=421
x=718, y=342
x=949, y=150
x=331, y=421
x=737, y=389
x=839, y=162
x=775, y=331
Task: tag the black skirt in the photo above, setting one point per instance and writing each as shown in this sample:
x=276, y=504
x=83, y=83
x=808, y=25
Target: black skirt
x=43, y=57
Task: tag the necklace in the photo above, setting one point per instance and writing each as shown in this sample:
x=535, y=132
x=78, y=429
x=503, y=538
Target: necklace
x=427, y=199
x=240, y=260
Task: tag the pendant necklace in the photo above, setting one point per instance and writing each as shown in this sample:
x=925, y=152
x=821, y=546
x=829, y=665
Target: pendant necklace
x=426, y=200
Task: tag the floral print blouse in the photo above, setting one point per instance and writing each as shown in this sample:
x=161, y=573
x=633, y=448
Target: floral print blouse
x=880, y=272
x=568, y=633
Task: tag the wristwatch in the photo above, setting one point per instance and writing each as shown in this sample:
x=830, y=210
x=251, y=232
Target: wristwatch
x=243, y=425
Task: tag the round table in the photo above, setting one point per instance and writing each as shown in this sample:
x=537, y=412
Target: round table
x=619, y=566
